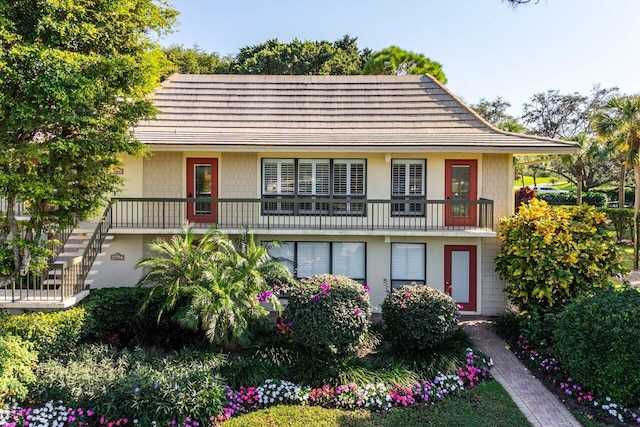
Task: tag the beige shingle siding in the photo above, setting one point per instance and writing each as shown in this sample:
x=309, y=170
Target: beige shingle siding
x=340, y=111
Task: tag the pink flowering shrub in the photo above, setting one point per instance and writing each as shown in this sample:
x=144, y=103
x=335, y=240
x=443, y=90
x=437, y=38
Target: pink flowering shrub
x=329, y=316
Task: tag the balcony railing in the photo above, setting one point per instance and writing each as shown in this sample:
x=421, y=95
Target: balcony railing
x=398, y=214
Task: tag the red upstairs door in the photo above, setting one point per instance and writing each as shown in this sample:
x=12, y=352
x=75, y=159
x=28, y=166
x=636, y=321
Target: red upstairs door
x=202, y=181
x=461, y=186
x=460, y=275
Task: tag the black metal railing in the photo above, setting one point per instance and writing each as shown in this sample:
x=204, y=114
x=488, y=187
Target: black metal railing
x=63, y=278
x=304, y=214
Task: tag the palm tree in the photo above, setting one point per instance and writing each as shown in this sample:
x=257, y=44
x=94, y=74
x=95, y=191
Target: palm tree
x=619, y=120
x=175, y=268
x=212, y=285
x=235, y=290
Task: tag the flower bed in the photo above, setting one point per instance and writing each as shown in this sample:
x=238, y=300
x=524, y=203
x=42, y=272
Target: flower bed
x=376, y=397
x=567, y=387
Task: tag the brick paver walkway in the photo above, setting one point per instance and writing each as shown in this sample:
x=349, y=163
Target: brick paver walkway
x=539, y=405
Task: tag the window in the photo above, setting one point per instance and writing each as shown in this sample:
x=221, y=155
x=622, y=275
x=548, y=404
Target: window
x=407, y=264
x=348, y=182
x=314, y=179
x=305, y=259
x=278, y=179
x=407, y=182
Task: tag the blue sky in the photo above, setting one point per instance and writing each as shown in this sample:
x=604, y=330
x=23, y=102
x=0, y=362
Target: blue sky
x=487, y=48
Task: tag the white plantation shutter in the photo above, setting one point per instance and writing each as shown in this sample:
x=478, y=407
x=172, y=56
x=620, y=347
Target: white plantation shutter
x=349, y=260
x=407, y=178
x=348, y=177
x=313, y=258
x=313, y=177
x=278, y=176
x=398, y=179
x=408, y=261
x=416, y=179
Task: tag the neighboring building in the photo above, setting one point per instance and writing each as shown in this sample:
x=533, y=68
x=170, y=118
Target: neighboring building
x=386, y=179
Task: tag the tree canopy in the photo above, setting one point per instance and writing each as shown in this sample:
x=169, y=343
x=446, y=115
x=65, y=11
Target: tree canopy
x=341, y=57
x=298, y=57
x=74, y=81
x=394, y=60
x=193, y=60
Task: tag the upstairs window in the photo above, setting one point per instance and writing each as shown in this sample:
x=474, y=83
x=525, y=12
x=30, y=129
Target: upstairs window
x=407, y=183
x=314, y=179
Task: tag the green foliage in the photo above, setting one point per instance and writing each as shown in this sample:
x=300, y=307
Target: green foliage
x=596, y=340
x=341, y=57
x=568, y=199
x=116, y=316
x=419, y=317
x=17, y=360
x=621, y=220
x=135, y=385
x=52, y=334
x=192, y=60
x=393, y=60
x=75, y=76
x=550, y=255
x=211, y=283
x=329, y=316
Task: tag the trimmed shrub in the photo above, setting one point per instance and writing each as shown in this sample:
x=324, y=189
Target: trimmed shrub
x=597, y=340
x=329, y=315
x=621, y=220
x=419, y=317
x=569, y=199
x=551, y=254
x=17, y=360
x=115, y=316
x=52, y=334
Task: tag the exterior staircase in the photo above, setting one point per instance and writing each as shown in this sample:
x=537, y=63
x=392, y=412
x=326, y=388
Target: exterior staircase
x=68, y=278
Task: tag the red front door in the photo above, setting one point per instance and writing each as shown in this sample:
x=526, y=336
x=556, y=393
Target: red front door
x=460, y=275
x=202, y=182
x=461, y=187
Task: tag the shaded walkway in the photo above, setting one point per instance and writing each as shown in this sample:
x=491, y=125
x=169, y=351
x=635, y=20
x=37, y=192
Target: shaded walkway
x=539, y=405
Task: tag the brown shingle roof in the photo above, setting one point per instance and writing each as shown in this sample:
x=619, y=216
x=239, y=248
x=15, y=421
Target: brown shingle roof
x=378, y=112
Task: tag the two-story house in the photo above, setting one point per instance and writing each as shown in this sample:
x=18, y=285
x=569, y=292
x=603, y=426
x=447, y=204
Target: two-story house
x=385, y=179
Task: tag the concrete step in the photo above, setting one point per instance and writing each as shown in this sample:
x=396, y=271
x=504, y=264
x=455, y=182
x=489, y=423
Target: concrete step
x=81, y=245
x=75, y=254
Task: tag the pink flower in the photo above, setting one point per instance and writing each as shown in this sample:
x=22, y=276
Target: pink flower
x=356, y=311
x=367, y=288
x=407, y=295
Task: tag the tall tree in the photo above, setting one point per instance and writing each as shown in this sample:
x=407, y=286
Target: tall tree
x=192, y=60
x=556, y=115
x=595, y=164
x=300, y=58
x=74, y=80
x=568, y=116
x=393, y=60
x=619, y=121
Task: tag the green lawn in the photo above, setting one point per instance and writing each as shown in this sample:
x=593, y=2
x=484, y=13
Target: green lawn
x=485, y=405
x=528, y=180
x=626, y=253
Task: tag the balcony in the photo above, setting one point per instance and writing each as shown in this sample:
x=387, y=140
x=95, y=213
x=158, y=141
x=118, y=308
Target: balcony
x=281, y=215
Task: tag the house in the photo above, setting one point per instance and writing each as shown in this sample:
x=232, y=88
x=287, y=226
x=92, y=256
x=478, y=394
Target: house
x=386, y=179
